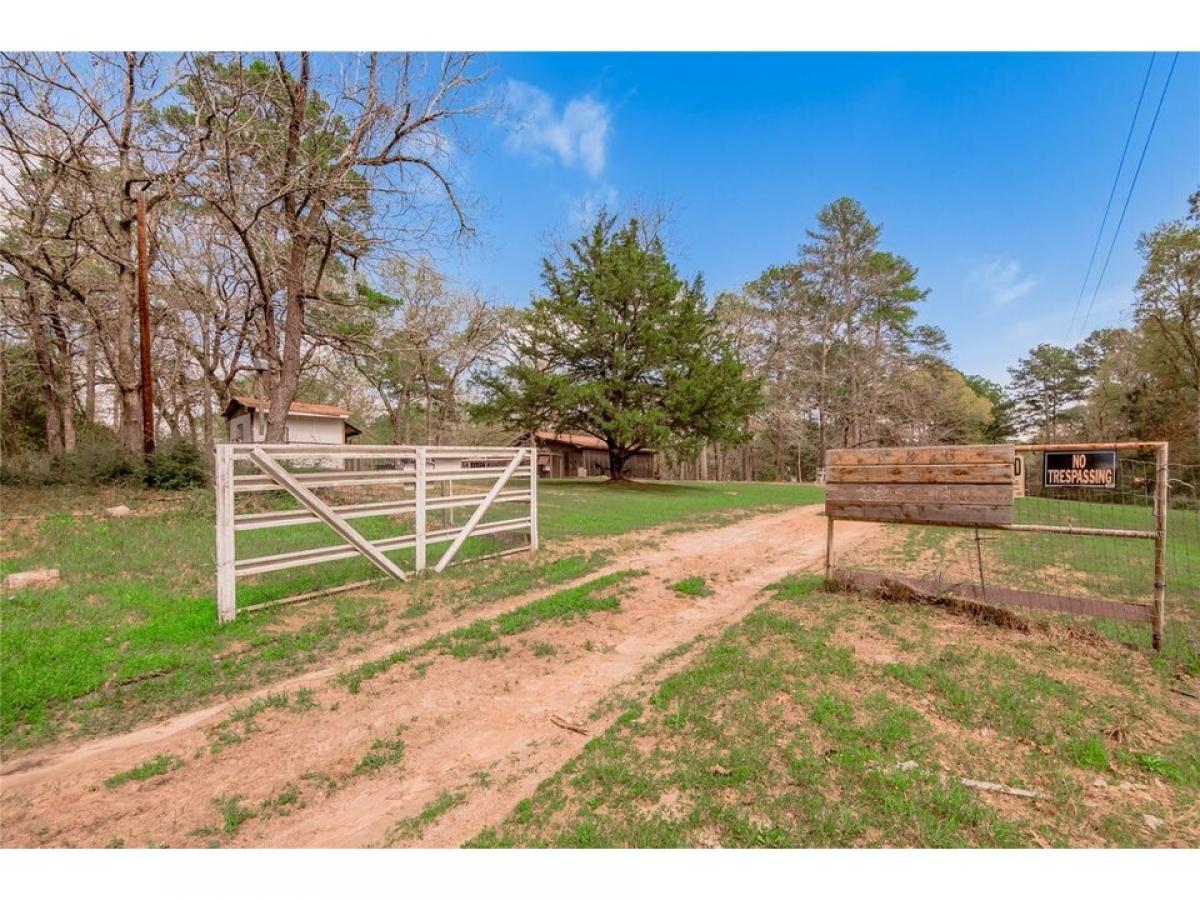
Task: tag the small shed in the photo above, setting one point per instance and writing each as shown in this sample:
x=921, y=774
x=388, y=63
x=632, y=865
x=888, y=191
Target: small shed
x=583, y=455
x=307, y=423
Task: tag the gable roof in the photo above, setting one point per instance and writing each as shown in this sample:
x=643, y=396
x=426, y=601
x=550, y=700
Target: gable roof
x=579, y=441
x=238, y=403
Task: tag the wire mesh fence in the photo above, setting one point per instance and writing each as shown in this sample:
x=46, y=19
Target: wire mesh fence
x=1109, y=575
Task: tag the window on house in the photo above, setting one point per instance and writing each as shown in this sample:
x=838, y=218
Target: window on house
x=241, y=433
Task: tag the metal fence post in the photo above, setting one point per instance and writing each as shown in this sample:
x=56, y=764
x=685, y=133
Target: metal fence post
x=226, y=576
x=420, y=511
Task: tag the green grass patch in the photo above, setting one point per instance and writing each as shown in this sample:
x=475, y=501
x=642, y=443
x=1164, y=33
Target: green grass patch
x=159, y=765
x=383, y=753
x=414, y=827
x=233, y=814
x=695, y=586
x=594, y=508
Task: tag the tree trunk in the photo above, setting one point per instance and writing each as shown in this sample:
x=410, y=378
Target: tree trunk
x=822, y=443
x=283, y=391
x=616, y=463
x=125, y=371
x=206, y=422
x=64, y=387
x=89, y=395
x=46, y=370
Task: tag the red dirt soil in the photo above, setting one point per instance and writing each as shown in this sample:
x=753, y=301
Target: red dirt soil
x=479, y=727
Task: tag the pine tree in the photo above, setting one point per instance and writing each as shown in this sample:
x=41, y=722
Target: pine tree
x=620, y=347
x=1046, y=387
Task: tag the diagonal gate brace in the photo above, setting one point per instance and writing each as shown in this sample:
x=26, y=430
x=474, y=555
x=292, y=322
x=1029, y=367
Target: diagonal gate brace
x=466, y=530
x=322, y=511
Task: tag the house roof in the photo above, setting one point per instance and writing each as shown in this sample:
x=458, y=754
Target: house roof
x=580, y=441
x=303, y=409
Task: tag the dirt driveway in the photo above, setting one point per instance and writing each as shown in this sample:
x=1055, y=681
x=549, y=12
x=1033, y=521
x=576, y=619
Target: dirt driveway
x=461, y=739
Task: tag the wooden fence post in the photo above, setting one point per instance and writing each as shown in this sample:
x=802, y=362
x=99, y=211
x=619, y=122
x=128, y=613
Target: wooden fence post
x=421, y=523
x=1161, y=503
x=226, y=553
x=533, y=489
x=828, y=547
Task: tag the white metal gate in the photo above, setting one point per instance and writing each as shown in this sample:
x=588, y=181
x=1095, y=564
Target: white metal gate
x=411, y=469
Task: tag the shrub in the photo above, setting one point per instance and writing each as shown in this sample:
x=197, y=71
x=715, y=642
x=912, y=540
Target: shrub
x=97, y=459
x=176, y=464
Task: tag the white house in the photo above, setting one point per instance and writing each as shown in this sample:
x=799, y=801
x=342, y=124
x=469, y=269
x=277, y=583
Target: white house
x=307, y=423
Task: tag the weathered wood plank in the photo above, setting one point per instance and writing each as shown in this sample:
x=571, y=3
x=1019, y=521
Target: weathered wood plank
x=919, y=493
x=974, y=473
x=892, y=456
x=923, y=513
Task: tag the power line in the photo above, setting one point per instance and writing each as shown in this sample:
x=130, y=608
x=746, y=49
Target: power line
x=1111, y=193
x=1129, y=196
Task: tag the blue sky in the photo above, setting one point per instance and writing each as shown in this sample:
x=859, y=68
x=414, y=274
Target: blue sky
x=989, y=172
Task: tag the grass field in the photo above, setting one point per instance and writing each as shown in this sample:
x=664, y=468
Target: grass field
x=131, y=629
x=818, y=722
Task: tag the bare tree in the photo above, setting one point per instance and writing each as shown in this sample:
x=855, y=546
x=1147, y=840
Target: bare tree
x=311, y=170
x=90, y=122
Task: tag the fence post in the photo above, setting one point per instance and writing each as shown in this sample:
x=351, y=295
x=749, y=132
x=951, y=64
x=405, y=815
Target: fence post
x=828, y=547
x=533, y=486
x=226, y=575
x=1161, y=504
x=420, y=510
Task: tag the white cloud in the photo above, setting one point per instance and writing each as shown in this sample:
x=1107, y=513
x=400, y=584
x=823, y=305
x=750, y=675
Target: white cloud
x=588, y=206
x=578, y=136
x=1001, y=281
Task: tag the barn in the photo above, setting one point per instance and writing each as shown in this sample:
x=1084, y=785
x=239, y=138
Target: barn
x=583, y=455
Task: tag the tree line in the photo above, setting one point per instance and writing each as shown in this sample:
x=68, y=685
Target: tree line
x=291, y=203
x=294, y=209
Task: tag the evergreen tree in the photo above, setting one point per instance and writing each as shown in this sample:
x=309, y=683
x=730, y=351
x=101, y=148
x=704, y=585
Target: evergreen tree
x=620, y=347
x=1046, y=386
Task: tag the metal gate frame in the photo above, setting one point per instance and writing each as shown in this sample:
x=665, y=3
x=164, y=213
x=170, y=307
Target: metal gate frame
x=272, y=476
x=1154, y=613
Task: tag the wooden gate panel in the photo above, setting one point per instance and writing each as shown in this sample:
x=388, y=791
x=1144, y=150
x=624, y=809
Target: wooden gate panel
x=970, y=485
